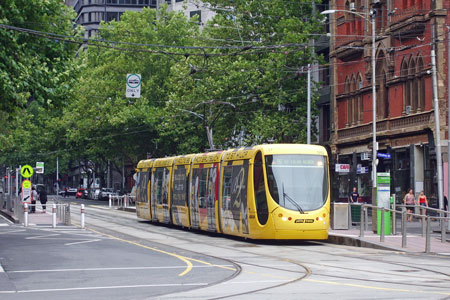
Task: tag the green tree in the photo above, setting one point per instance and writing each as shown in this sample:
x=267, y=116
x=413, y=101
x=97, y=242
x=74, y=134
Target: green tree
x=257, y=91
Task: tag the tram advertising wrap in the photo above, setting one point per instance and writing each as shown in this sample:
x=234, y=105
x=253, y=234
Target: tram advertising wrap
x=278, y=191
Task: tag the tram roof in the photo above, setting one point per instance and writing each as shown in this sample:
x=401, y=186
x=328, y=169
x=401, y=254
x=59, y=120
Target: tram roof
x=207, y=158
x=164, y=162
x=183, y=159
x=144, y=164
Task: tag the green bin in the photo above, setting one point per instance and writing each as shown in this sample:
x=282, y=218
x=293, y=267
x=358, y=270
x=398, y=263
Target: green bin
x=356, y=213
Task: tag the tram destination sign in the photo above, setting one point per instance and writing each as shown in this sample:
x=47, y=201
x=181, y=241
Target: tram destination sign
x=133, y=86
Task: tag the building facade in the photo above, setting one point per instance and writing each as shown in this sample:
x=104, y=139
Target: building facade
x=91, y=12
x=406, y=33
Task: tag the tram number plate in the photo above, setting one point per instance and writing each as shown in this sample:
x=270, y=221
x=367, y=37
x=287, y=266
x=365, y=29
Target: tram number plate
x=304, y=221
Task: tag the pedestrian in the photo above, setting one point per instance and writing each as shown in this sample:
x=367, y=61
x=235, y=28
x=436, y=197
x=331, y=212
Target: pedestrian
x=354, y=196
x=43, y=199
x=65, y=191
x=445, y=203
x=34, y=197
x=409, y=201
x=423, y=201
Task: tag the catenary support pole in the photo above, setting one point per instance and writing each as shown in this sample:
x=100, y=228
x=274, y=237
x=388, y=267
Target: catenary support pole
x=437, y=134
x=308, y=138
x=448, y=109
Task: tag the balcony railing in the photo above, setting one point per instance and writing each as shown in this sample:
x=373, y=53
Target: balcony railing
x=390, y=126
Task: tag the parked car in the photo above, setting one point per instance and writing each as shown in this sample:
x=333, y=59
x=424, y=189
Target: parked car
x=70, y=192
x=81, y=193
x=105, y=192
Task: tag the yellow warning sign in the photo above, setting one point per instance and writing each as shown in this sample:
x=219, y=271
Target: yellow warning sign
x=26, y=171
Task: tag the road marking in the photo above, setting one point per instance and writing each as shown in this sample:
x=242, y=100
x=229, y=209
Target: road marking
x=12, y=231
x=1, y=269
x=42, y=237
x=7, y=220
x=82, y=242
x=3, y=224
x=106, y=269
x=377, y=288
x=183, y=258
x=106, y=287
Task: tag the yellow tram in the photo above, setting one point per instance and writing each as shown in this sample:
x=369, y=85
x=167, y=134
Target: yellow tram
x=277, y=191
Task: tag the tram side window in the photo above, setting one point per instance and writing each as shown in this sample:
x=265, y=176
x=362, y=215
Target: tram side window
x=158, y=185
x=143, y=180
x=212, y=186
x=202, y=188
x=260, y=191
x=138, y=186
x=179, y=187
x=165, y=186
x=226, y=187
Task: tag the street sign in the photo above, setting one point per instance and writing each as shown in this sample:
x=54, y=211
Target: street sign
x=384, y=155
x=26, y=191
x=26, y=171
x=133, y=86
x=342, y=168
x=39, y=168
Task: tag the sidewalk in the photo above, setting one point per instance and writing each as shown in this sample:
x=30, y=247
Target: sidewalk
x=37, y=218
x=415, y=243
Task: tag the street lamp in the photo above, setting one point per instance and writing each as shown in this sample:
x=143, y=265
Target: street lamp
x=372, y=15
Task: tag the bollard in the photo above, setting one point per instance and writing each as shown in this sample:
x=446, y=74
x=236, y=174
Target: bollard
x=82, y=215
x=109, y=200
x=366, y=219
x=382, y=225
x=427, y=238
x=25, y=215
x=423, y=226
x=404, y=229
x=54, y=215
x=361, y=222
x=394, y=219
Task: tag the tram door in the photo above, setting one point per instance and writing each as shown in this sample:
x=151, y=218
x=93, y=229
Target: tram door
x=193, y=196
x=213, y=187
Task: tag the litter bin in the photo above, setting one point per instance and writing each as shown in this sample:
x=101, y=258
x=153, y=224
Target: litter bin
x=356, y=212
x=339, y=216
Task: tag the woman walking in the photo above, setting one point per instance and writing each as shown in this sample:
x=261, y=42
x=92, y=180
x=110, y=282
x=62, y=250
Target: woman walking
x=423, y=201
x=409, y=201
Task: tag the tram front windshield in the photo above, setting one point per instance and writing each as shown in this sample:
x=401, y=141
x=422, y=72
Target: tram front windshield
x=298, y=181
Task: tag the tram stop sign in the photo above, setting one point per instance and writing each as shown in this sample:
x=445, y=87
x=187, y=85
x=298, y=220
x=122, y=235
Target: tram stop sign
x=26, y=171
x=26, y=191
x=133, y=86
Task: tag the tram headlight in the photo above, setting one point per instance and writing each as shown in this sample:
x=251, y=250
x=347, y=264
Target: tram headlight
x=284, y=218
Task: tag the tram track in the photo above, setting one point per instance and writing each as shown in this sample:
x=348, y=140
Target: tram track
x=125, y=221
x=410, y=280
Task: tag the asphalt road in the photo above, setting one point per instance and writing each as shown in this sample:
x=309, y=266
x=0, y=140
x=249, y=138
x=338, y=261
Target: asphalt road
x=70, y=263
x=121, y=257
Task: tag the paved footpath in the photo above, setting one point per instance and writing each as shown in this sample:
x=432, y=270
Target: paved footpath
x=415, y=243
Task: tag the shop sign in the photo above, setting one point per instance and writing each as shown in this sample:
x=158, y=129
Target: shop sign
x=362, y=170
x=342, y=168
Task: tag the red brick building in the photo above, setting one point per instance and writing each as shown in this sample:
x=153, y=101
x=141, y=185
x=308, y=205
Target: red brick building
x=406, y=32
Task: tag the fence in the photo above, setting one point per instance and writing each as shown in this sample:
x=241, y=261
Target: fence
x=424, y=218
x=121, y=201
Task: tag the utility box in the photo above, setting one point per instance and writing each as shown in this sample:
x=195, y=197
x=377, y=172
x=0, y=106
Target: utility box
x=340, y=216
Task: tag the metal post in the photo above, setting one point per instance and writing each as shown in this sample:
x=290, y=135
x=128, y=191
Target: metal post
x=423, y=224
x=82, y=216
x=109, y=200
x=374, y=121
x=382, y=225
x=443, y=235
x=308, y=139
x=437, y=134
x=394, y=217
x=366, y=219
x=448, y=110
x=57, y=176
x=54, y=215
x=126, y=200
x=404, y=229
x=427, y=238
x=361, y=225
x=25, y=214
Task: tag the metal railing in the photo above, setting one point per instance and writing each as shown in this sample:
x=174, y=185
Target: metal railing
x=425, y=220
x=121, y=201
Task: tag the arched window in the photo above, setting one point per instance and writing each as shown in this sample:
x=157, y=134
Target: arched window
x=420, y=85
x=412, y=84
x=353, y=102
x=347, y=17
x=382, y=105
x=359, y=101
x=406, y=96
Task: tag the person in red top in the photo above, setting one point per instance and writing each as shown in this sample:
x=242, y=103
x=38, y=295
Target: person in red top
x=423, y=202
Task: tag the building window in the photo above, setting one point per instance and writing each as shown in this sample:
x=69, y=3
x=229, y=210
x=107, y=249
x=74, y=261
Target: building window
x=420, y=85
x=196, y=13
x=406, y=91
